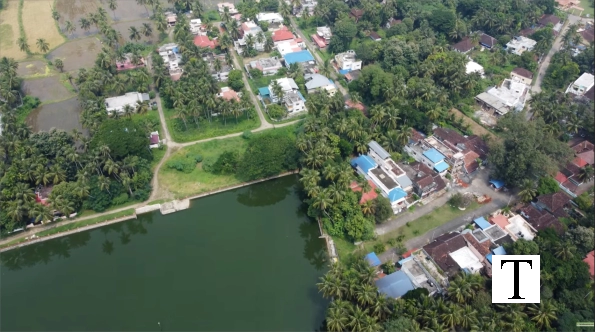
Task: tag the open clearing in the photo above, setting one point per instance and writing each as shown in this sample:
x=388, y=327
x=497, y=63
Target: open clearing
x=123, y=28
x=476, y=128
x=73, y=11
x=9, y=31
x=46, y=89
x=198, y=181
x=64, y=115
x=77, y=54
x=33, y=68
x=38, y=23
x=127, y=11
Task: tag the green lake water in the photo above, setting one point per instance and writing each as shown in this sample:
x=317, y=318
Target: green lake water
x=243, y=260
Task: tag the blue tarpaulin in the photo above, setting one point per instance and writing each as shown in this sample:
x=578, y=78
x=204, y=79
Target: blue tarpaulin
x=372, y=259
x=497, y=183
x=482, y=223
x=264, y=91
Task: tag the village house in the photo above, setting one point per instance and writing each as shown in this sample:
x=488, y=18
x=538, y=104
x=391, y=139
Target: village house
x=317, y=82
x=440, y=249
x=228, y=94
x=487, y=41
x=425, y=181
x=418, y=275
x=464, y=46
x=356, y=14
x=550, y=19
x=520, y=44
x=386, y=174
x=322, y=37
x=287, y=85
x=366, y=196
x=268, y=66
x=204, y=41
x=214, y=60
x=289, y=46
x=375, y=36
x=306, y=5
x=248, y=28
x=196, y=27
x=489, y=230
x=154, y=140
x=521, y=75
x=582, y=85
x=127, y=63
x=117, y=104
x=42, y=193
x=294, y=102
x=545, y=213
x=284, y=35
x=171, y=18
x=172, y=57
x=514, y=224
x=569, y=177
x=392, y=22
x=269, y=18
x=474, y=67
x=588, y=33
x=347, y=62
x=231, y=8
x=394, y=285
x=511, y=95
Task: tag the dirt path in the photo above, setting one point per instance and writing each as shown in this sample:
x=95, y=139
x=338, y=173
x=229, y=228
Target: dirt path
x=312, y=48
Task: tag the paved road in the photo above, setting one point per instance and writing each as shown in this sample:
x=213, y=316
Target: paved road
x=478, y=185
x=313, y=49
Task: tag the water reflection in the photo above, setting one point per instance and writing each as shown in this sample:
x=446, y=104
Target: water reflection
x=266, y=193
x=312, y=246
x=44, y=252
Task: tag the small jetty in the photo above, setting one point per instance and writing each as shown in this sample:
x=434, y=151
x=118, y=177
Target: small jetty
x=174, y=206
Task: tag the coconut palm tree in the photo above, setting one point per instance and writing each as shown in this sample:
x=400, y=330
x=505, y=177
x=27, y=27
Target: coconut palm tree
x=586, y=173
x=22, y=43
x=42, y=45
x=146, y=30
x=134, y=34
x=357, y=318
x=59, y=64
x=113, y=5
x=544, y=314
x=336, y=320
x=70, y=28
x=528, y=191
x=331, y=286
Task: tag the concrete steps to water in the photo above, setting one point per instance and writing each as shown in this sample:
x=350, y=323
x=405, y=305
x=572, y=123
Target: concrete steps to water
x=174, y=206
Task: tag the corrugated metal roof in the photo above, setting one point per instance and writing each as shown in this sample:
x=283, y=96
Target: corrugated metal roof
x=364, y=162
x=372, y=259
x=482, y=223
x=433, y=155
x=298, y=57
x=441, y=167
x=396, y=194
x=394, y=285
x=380, y=151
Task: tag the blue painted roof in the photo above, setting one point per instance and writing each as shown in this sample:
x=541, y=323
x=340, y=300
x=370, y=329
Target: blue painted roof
x=301, y=97
x=344, y=71
x=297, y=57
x=489, y=257
x=394, y=285
x=264, y=91
x=499, y=251
x=441, y=167
x=482, y=223
x=497, y=183
x=405, y=260
x=396, y=194
x=433, y=155
x=372, y=259
x=364, y=162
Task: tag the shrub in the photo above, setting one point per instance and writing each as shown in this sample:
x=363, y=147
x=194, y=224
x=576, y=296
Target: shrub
x=226, y=163
x=448, y=176
x=388, y=267
x=197, y=157
x=120, y=199
x=247, y=134
x=379, y=248
x=456, y=200
x=152, y=94
x=185, y=165
x=408, y=224
x=255, y=73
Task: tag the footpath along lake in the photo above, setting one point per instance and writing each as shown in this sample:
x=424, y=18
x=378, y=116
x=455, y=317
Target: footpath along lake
x=243, y=260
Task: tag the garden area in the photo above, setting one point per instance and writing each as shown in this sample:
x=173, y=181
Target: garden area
x=221, y=163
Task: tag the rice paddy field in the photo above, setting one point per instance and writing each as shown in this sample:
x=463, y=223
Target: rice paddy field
x=38, y=23
x=9, y=31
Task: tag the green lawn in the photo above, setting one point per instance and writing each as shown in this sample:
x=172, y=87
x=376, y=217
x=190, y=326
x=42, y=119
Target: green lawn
x=199, y=181
x=422, y=225
x=587, y=5
x=217, y=127
x=157, y=156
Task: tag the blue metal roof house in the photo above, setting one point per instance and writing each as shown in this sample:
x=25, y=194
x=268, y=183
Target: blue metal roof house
x=433, y=155
x=441, y=166
x=298, y=57
x=372, y=259
x=394, y=285
x=482, y=223
x=363, y=163
x=396, y=194
x=264, y=91
x=498, y=251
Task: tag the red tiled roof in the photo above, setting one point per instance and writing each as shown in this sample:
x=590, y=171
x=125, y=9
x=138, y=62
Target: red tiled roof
x=440, y=249
x=554, y=201
x=204, y=41
x=590, y=260
x=487, y=40
x=471, y=164
x=583, y=146
x=408, y=253
x=370, y=195
x=500, y=220
x=483, y=248
x=230, y=94
x=526, y=32
x=561, y=178
x=320, y=42
x=588, y=35
x=570, y=185
x=357, y=13
x=580, y=162
x=548, y=18
x=281, y=35
x=375, y=36
x=358, y=106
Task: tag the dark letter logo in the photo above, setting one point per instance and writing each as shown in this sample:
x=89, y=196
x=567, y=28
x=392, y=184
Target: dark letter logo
x=516, y=275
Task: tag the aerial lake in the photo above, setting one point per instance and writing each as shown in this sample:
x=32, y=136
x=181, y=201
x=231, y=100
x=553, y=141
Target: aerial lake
x=243, y=260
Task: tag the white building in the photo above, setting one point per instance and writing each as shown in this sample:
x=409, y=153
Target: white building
x=581, y=85
x=287, y=84
x=268, y=66
x=520, y=44
x=230, y=6
x=316, y=82
x=510, y=96
x=347, y=61
x=294, y=102
x=196, y=27
x=522, y=75
x=324, y=33
x=269, y=17
x=249, y=28
x=474, y=67
x=171, y=55
x=117, y=104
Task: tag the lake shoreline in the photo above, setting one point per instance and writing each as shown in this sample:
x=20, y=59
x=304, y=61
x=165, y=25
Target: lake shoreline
x=134, y=215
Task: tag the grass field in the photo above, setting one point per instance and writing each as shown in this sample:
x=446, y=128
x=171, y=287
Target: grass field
x=86, y=222
x=198, y=181
x=587, y=5
x=476, y=128
x=208, y=129
x=9, y=31
x=38, y=23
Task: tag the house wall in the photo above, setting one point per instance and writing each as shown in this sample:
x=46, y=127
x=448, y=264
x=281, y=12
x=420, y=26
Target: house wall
x=521, y=79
